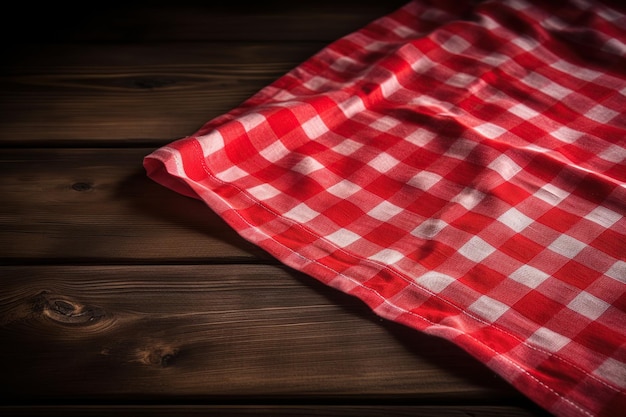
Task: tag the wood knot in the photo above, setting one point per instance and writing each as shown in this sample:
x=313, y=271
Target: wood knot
x=81, y=186
x=159, y=354
x=66, y=311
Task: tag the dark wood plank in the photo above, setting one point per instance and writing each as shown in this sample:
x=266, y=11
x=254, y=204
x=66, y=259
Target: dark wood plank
x=174, y=76
x=131, y=94
x=97, y=205
x=280, y=410
x=120, y=297
x=189, y=20
x=215, y=334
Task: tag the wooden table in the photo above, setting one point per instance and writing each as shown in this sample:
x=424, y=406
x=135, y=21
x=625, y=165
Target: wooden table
x=120, y=297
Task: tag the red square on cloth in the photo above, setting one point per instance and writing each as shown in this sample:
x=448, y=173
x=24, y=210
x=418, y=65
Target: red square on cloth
x=461, y=168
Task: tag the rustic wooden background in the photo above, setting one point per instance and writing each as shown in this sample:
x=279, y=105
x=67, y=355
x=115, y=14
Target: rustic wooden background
x=120, y=297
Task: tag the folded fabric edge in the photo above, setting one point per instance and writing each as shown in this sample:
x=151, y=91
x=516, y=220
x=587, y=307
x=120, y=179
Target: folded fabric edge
x=165, y=166
x=168, y=171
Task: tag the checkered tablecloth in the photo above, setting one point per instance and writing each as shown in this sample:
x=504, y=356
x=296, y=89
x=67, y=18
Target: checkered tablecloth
x=461, y=169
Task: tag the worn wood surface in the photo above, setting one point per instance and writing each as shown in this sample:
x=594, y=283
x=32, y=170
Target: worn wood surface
x=120, y=297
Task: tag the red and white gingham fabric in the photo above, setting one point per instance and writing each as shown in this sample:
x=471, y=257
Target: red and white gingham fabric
x=460, y=168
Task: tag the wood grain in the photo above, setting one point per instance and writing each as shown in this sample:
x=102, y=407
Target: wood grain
x=69, y=95
x=189, y=332
x=120, y=297
x=283, y=410
x=190, y=20
x=98, y=205
x=153, y=71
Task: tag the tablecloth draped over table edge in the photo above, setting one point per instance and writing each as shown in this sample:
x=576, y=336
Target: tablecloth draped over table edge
x=459, y=167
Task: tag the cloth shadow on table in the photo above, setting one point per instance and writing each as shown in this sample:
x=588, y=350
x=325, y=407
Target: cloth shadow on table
x=160, y=203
